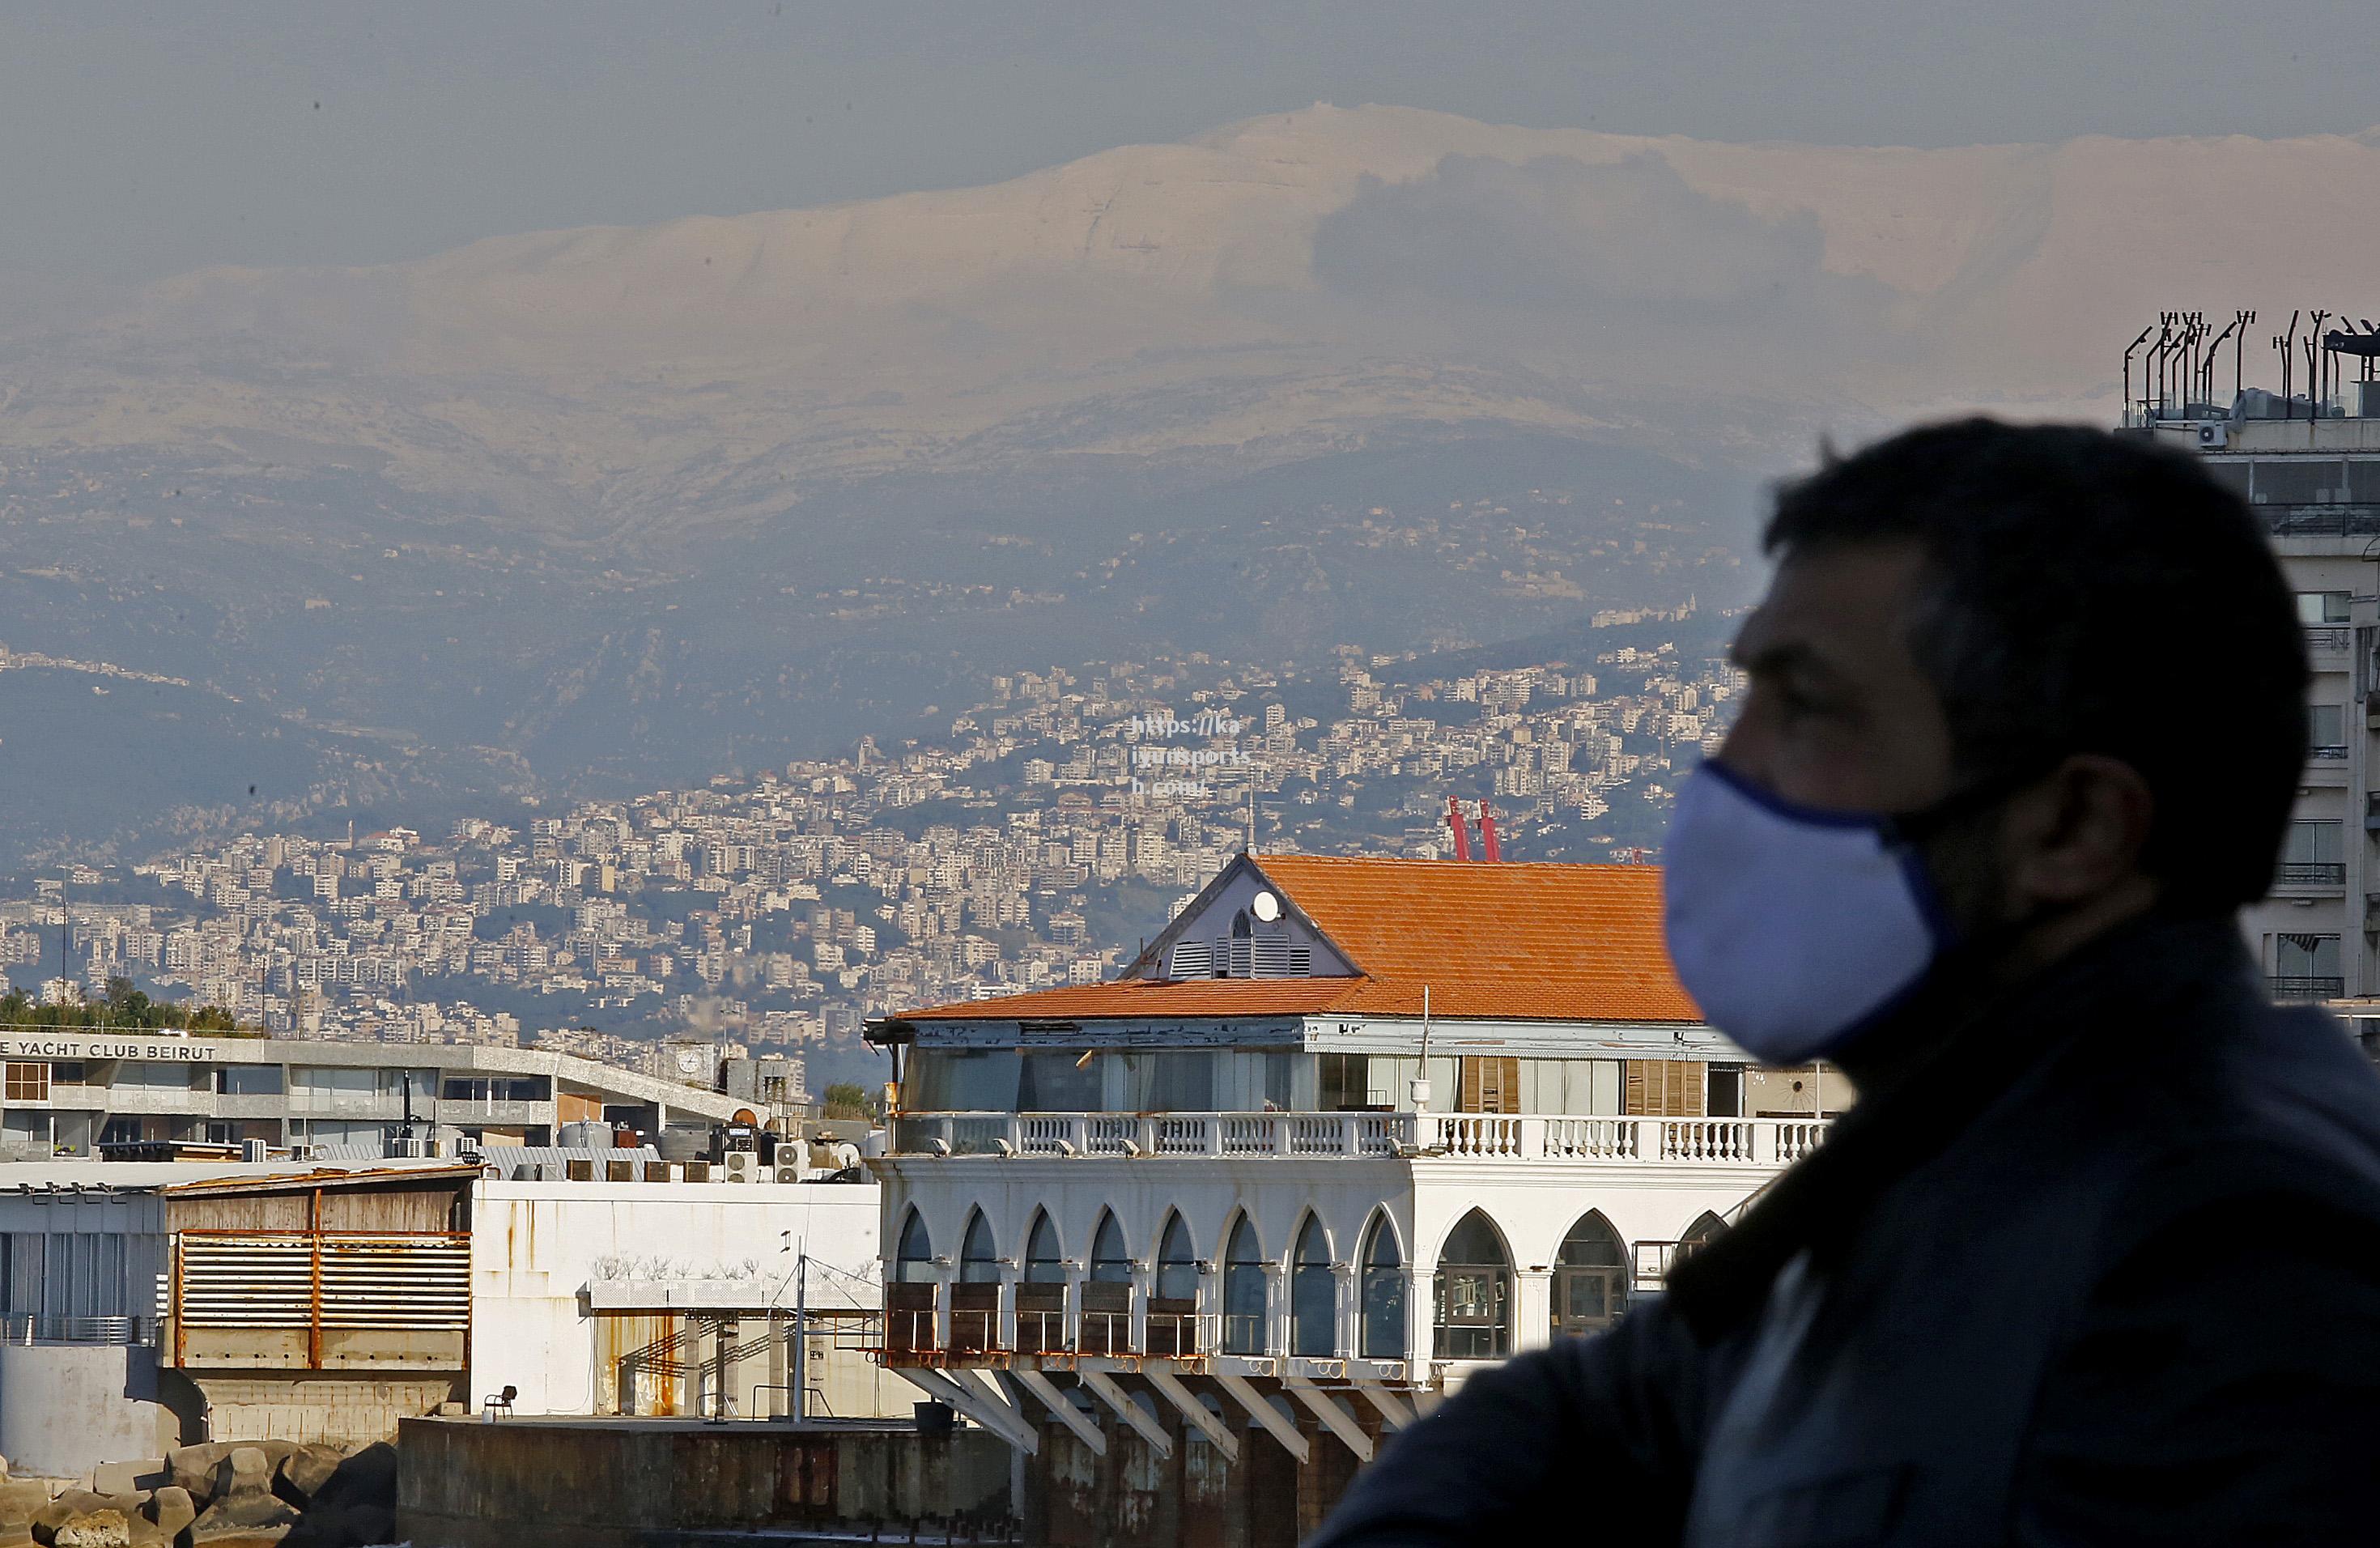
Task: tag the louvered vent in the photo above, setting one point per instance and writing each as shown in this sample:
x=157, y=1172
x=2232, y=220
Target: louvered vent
x=1191, y=960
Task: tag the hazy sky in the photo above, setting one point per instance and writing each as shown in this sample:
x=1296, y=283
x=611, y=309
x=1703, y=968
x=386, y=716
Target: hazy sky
x=137, y=140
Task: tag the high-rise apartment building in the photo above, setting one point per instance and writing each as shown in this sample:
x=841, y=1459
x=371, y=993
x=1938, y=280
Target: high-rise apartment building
x=2311, y=471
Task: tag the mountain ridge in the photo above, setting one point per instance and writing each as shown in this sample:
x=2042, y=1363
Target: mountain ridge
x=1273, y=290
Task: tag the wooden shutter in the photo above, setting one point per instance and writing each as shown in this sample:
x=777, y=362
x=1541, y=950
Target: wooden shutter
x=1490, y=1085
x=1664, y=1087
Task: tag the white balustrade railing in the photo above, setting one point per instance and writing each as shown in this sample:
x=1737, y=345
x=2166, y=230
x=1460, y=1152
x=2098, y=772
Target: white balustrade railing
x=1484, y=1137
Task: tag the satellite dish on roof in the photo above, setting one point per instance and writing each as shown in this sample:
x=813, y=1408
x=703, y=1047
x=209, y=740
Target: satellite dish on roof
x=1264, y=906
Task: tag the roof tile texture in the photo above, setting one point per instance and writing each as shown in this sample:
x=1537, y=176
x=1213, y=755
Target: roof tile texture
x=1514, y=940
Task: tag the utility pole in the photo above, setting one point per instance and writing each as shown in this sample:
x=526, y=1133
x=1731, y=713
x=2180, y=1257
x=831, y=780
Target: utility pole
x=801, y=1335
x=1421, y=1082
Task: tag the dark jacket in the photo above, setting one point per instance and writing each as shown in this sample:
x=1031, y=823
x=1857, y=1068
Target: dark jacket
x=2104, y=1269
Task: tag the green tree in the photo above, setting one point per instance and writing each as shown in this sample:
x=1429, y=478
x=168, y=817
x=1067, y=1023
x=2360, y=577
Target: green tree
x=846, y=1099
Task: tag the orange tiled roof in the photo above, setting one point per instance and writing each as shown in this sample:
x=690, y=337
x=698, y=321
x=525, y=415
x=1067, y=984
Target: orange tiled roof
x=1509, y=941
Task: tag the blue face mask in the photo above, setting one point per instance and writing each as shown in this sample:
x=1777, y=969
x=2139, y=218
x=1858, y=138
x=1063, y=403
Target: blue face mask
x=1796, y=929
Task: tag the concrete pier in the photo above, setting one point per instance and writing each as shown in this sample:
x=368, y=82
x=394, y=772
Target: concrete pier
x=642, y=1483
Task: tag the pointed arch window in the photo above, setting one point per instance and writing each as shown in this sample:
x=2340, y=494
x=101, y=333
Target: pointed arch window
x=1173, y=1310
x=1708, y=1228
x=975, y=1299
x=914, y=1261
x=1044, y=1263
x=1244, y=1291
x=979, y=1256
x=1107, y=1294
x=1041, y=1295
x=1590, y=1277
x=1313, y=1295
x=910, y=1300
x=1473, y=1292
x=1382, y=1293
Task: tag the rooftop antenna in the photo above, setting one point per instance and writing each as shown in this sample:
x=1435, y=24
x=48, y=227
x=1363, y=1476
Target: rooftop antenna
x=2245, y=320
x=2207, y=366
x=2287, y=344
x=2193, y=333
x=2155, y=369
x=1462, y=832
x=2204, y=350
x=2314, y=386
x=2129, y=349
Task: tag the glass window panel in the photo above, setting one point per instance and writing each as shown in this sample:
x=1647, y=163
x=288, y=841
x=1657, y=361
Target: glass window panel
x=1244, y=1293
x=158, y=1074
x=979, y=1257
x=1313, y=1296
x=913, y=1263
x=1042, y=1261
x=962, y=1081
x=1061, y=1082
x=1177, y=1266
x=2300, y=482
x=1111, y=1264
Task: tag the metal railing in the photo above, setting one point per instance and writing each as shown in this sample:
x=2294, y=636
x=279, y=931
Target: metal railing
x=1485, y=1136
x=2330, y=638
x=2327, y=752
x=2306, y=988
x=2311, y=873
x=135, y=1331
x=2320, y=521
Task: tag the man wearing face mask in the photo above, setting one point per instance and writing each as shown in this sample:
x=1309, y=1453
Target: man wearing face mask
x=2095, y=1259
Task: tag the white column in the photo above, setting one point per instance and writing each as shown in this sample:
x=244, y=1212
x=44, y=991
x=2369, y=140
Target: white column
x=1005, y=1326
x=1533, y=1307
x=1076, y=1271
x=1421, y=1313
x=1276, y=1283
x=1349, y=1320
x=1143, y=1283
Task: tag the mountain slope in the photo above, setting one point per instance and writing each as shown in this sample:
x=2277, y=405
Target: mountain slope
x=1277, y=289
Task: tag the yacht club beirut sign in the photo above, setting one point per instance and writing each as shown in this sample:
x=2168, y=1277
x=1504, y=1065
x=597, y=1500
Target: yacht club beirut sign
x=30, y=1045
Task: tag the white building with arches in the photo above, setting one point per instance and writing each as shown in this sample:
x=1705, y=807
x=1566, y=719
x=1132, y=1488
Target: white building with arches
x=1345, y=1130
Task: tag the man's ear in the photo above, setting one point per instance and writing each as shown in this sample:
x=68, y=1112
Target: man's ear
x=2078, y=833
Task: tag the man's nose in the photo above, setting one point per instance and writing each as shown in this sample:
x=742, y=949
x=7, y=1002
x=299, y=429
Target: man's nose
x=1746, y=748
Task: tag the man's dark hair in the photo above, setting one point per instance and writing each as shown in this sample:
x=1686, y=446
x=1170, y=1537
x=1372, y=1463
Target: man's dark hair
x=2092, y=592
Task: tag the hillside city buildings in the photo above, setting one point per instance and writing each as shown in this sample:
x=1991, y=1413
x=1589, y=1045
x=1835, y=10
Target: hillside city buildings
x=1058, y=826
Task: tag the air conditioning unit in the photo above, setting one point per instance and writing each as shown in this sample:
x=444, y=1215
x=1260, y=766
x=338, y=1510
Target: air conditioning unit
x=743, y=1166
x=789, y=1173
x=2214, y=436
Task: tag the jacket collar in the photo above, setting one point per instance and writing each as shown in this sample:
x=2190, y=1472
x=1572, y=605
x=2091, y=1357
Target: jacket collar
x=1994, y=1045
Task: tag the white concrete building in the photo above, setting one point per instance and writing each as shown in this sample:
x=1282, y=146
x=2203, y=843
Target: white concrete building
x=74, y=1093
x=145, y=1305
x=1346, y=1129
x=2314, y=481
x=571, y=1280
